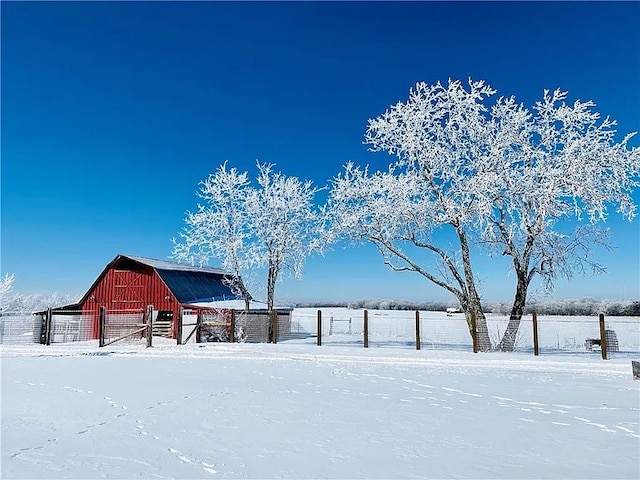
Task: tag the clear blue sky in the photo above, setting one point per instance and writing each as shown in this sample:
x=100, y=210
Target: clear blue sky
x=112, y=112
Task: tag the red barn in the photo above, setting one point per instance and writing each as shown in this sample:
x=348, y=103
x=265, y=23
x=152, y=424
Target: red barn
x=132, y=283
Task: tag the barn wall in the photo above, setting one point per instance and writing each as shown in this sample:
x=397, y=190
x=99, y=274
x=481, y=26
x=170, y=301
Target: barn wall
x=131, y=289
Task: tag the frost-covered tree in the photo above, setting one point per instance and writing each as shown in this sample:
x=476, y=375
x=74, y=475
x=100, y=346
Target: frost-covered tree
x=440, y=138
x=6, y=287
x=272, y=225
x=529, y=185
x=219, y=229
x=556, y=172
x=284, y=223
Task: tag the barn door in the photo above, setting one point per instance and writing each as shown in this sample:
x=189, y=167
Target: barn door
x=129, y=288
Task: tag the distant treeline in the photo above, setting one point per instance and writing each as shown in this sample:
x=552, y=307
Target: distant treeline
x=583, y=306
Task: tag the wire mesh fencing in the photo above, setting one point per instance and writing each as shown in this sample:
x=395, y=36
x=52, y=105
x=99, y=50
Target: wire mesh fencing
x=254, y=327
x=543, y=335
x=20, y=328
x=124, y=326
x=289, y=330
x=215, y=325
x=452, y=331
x=71, y=326
x=584, y=335
x=445, y=331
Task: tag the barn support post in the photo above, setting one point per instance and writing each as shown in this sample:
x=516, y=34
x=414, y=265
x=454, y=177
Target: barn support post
x=474, y=332
x=603, y=337
x=366, y=329
x=179, y=326
x=232, y=333
x=101, y=326
x=417, y=330
x=536, y=350
x=319, y=328
x=149, y=322
x=48, y=324
x=199, y=326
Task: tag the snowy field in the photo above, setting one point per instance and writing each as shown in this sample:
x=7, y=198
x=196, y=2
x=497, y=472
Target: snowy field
x=301, y=411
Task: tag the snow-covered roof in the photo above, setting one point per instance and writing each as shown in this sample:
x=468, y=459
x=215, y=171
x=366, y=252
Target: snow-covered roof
x=238, y=305
x=166, y=265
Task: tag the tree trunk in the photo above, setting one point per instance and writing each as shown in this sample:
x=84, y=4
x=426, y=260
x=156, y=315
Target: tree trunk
x=508, y=342
x=271, y=285
x=472, y=301
x=482, y=331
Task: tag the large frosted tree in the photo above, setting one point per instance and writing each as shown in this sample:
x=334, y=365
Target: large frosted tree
x=557, y=171
x=219, y=228
x=532, y=185
x=272, y=225
x=284, y=223
x=440, y=140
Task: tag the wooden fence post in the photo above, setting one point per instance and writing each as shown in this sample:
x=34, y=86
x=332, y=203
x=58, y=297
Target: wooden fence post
x=474, y=332
x=199, y=326
x=101, y=326
x=319, y=328
x=366, y=329
x=232, y=333
x=274, y=326
x=179, y=329
x=49, y=324
x=603, y=337
x=149, y=325
x=536, y=350
x=417, y=330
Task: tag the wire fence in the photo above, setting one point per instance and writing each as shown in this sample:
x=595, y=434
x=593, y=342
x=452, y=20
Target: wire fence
x=546, y=335
x=451, y=331
x=20, y=329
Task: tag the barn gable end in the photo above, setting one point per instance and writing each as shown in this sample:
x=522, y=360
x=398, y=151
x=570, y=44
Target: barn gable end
x=132, y=283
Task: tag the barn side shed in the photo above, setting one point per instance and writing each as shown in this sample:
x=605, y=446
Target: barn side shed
x=130, y=283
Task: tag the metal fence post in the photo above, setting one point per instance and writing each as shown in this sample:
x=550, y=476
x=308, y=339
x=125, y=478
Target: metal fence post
x=149, y=325
x=417, y=330
x=101, y=326
x=319, y=328
x=603, y=337
x=366, y=329
x=474, y=332
x=536, y=350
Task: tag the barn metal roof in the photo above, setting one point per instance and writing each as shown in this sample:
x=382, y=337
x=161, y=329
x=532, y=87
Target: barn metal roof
x=195, y=286
x=189, y=283
x=166, y=265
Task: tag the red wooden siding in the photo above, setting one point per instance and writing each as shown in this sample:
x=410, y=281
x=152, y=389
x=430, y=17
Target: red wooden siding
x=132, y=288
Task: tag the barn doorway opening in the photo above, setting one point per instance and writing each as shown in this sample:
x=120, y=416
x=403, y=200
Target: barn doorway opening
x=163, y=324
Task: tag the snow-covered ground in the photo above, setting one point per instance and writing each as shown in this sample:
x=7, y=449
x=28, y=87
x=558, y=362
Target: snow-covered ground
x=301, y=411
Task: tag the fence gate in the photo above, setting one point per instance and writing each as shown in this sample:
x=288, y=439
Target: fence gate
x=125, y=325
x=223, y=325
x=69, y=326
x=206, y=325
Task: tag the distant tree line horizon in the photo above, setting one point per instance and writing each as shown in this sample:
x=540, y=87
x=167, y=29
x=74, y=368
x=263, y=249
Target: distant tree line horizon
x=569, y=307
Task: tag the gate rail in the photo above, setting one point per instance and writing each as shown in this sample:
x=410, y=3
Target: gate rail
x=120, y=324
